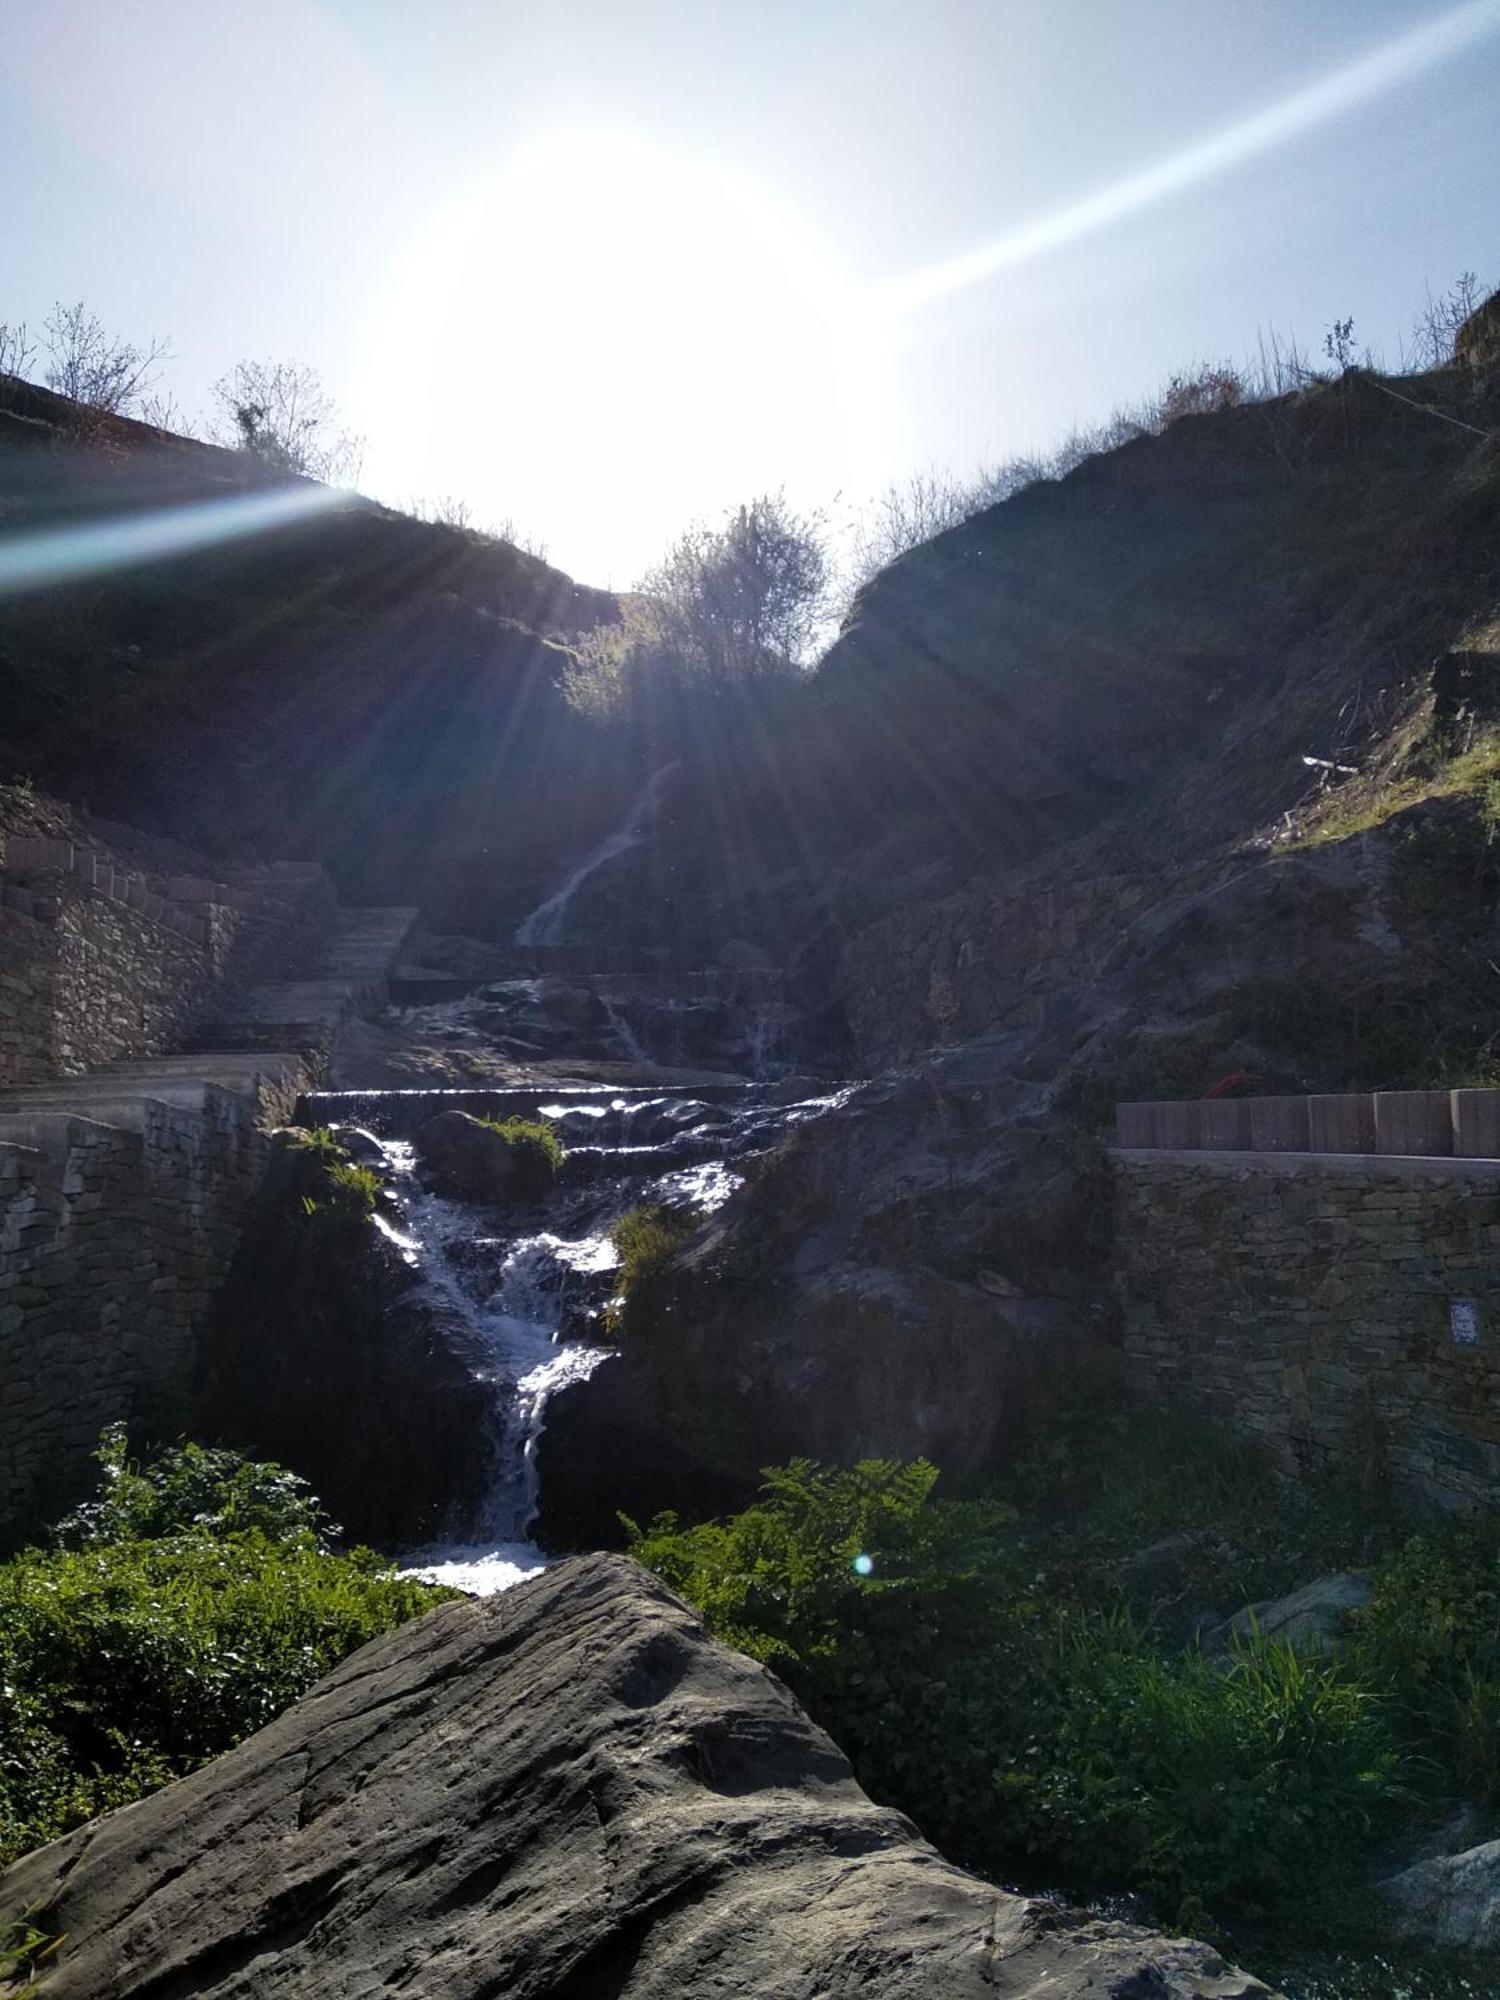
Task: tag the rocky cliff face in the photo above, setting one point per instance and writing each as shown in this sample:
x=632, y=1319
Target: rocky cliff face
x=569, y=1791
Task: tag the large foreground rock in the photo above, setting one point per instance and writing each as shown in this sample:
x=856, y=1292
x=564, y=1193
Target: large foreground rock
x=566, y=1791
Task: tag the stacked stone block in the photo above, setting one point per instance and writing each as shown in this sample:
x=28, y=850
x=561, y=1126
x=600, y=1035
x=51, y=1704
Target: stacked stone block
x=112, y=1244
x=1343, y=1309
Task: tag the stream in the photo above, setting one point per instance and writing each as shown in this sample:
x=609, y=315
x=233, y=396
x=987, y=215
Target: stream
x=527, y=1287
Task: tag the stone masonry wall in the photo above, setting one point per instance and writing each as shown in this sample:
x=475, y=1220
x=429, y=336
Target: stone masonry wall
x=28, y=997
x=125, y=986
x=1342, y=1310
x=112, y=1244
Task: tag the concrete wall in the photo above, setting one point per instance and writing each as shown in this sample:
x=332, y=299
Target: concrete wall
x=1345, y=1310
x=112, y=1244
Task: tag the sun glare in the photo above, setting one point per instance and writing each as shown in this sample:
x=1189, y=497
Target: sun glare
x=611, y=337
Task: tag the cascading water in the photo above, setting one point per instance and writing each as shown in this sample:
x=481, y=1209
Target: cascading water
x=547, y=921
x=524, y=1292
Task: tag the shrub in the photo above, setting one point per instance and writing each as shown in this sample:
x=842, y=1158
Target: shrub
x=538, y=1148
x=644, y=1238
x=1431, y=1639
x=194, y=1604
x=192, y=1489
x=345, y=1191
x=1026, y=1732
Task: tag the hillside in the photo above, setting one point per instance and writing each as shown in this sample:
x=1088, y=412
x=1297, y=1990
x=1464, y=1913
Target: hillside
x=359, y=686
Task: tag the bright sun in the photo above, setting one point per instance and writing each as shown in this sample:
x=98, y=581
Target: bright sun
x=611, y=339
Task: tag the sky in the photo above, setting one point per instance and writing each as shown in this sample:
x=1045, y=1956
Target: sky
x=601, y=268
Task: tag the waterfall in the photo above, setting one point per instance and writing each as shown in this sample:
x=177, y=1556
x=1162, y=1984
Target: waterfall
x=547, y=921
x=520, y=1292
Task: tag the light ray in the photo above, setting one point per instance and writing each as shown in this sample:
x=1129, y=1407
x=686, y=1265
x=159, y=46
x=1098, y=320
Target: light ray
x=39, y=558
x=1372, y=75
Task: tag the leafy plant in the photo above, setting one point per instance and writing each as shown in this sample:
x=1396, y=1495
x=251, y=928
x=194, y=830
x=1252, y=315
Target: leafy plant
x=1027, y=1721
x=346, y=1191
x=192, y=1489
x=189, y=1605
x=538, y=1148
x=644, y=1238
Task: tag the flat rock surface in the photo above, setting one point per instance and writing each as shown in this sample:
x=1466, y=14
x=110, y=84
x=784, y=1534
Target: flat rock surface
x=569, y=1791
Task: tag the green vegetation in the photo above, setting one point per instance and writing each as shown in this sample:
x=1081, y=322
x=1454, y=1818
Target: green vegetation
x=644, y=1237
x=1028, y=1681
x=345, y=1191
x=539, y=1151
x=183, y=1608
x=24, y=1950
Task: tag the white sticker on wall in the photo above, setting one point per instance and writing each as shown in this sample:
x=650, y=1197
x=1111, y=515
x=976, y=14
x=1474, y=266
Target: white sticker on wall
x=1463, y=1321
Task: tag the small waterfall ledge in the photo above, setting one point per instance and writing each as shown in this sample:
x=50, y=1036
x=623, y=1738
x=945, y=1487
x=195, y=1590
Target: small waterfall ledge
x=523, y=1291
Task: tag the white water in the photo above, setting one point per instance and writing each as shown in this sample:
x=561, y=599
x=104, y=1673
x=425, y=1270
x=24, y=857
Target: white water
x=514, y=1325
x=546, y=922
x=507, y=1299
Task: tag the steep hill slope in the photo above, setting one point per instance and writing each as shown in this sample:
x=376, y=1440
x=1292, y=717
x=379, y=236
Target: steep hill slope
x=355, y=685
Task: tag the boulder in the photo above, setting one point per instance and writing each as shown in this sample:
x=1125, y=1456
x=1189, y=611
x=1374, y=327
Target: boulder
x=361, y=1146
x=563, y=1792
x=571, y=1006
x=470, y=1161
x=1311, y=1619
x=1451, y=1901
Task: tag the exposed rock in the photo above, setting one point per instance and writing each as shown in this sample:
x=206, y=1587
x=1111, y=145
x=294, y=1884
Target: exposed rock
x=471, y=1161
x=573, y=1006
x=567, y=1791
x=1312, y=1618
x=827, y=1310
x=1478, y=339
x=1452, y=1901
x=361, y=1146
x=326, y=1353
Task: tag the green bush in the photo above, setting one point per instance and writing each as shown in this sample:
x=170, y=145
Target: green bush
x=1028, y=1732
x=538, y=1148
x=193, y=1603
x=1431, y=1639
x=344, y=1190
x=191, y=1489
x=644, y=1238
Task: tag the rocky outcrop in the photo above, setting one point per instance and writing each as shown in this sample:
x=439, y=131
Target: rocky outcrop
x=911, y=1274
x=1452, y=1901
x=471, y=1160
x=1314, y=1619
x=569, y=1791
x=327, y=1354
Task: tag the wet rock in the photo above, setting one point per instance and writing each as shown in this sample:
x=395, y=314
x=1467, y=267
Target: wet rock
x=1452, y=1901
x=360, y=1145
x=564, y=1792
x=324, y=1352
x=468, y=1160
x=1311, y=1619
x=576, y=1007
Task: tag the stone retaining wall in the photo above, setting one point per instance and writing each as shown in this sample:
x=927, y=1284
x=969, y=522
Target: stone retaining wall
x=89, y=977
x=1343, y=1310
x=28, y=997
x=112, y=1244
